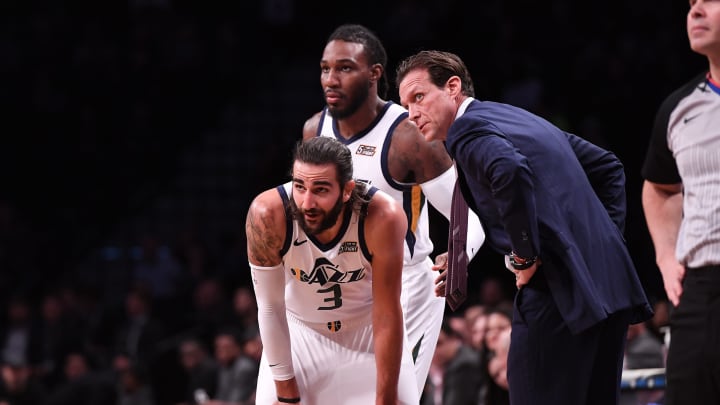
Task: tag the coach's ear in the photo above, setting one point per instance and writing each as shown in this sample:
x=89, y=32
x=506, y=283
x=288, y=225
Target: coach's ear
x=453, y=86
x=347, y=190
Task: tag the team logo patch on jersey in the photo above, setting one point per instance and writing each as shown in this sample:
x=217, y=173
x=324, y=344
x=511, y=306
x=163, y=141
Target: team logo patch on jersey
x=334, y=326
x=324, y=272
x=365, y=150
x=348, y=247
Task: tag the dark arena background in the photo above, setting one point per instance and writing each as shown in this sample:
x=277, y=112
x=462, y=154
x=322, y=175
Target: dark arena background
x=143, y=129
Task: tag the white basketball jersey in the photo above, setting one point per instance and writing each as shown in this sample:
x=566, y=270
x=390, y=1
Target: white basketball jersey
x=370, y=154
x=327, y=283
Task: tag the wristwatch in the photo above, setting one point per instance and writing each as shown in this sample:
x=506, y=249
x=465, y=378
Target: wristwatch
x=518, y=263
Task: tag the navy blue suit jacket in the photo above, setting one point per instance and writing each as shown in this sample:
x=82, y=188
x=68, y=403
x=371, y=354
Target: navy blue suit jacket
x=541, y=191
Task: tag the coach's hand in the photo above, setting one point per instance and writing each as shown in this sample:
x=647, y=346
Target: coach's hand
x=522, y=277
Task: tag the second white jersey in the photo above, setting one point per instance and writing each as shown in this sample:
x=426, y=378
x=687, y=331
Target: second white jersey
x=331, y=283
x=370, y=156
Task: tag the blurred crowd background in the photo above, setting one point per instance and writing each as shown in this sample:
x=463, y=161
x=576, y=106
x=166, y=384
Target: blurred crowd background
x=135, y=135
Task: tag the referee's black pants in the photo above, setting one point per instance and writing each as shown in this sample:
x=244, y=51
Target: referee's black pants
x=693, y=362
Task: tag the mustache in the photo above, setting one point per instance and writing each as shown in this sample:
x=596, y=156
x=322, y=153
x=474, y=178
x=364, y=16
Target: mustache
x=297, y=212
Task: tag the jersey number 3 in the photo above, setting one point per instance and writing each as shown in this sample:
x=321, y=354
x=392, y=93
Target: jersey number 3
x=336, y=298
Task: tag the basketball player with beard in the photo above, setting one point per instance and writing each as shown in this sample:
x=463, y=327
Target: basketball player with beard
x=326, y=259
x=390, y=153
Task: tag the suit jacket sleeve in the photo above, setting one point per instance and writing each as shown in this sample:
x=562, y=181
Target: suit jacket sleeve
x=606, y=175
x=488, y=158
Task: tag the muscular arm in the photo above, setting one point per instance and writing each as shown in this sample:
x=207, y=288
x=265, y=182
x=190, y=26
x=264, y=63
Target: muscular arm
x=662, y=204
x=385, y=229
x=265, y=230
x=412, y=159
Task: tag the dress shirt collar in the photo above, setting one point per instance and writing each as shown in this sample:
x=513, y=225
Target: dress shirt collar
x=463, y=106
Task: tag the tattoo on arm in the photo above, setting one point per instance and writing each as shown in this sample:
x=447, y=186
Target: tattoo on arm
x=263, y=244
x=417, y=159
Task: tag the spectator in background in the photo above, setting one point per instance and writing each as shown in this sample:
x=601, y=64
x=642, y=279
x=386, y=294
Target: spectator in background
x=495, y=353
x=20, y=334
x=244, y=308
x=456, y=376
x=477, y=333
x=457, y=322
x=472, y=312
x=140, y=330
x=200, y=369
x=18, y=386
x=133, y=383
x=61, y=332
x=499, y=320
x=83, y=383
x=211, y=309
x=157, y=270
x=99, y=325
x=497, y=392
x=237, y=376
x=194, y=256
x=252, y=346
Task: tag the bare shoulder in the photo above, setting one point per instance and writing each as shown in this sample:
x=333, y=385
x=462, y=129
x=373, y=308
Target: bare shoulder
x=311, y=125
x=412, y=159
x=385, y=213
x=265, y=228
x=267, y=204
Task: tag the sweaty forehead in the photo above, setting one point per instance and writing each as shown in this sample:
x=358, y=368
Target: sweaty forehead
x=313, y=174
x=339, y=50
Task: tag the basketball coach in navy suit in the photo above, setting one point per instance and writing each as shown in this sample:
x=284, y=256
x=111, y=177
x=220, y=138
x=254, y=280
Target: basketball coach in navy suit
x=555, y=205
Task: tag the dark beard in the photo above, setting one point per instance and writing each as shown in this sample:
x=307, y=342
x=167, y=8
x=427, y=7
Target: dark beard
x=327, y=222
x=355, y=104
